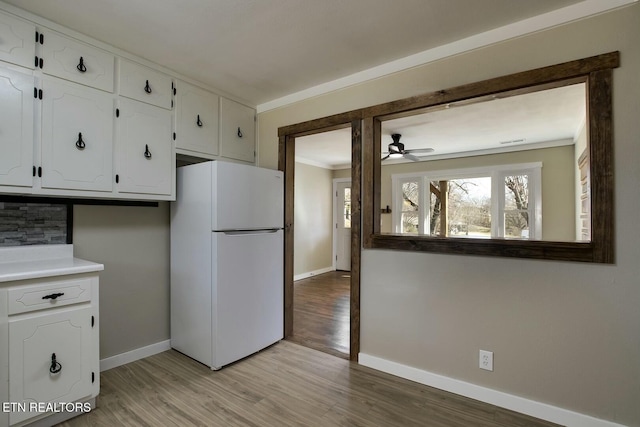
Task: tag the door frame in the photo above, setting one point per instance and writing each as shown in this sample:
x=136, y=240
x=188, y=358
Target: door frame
x=286, y=163
x=334, y=257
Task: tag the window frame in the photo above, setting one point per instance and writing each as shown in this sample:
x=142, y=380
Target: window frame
x=497, y=173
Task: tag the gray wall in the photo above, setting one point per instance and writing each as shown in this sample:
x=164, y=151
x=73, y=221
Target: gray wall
x=566, y=334
x=133, y=245
x=313, y=216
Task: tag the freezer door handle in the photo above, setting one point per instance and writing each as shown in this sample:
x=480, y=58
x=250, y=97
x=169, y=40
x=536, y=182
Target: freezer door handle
x=250, y=232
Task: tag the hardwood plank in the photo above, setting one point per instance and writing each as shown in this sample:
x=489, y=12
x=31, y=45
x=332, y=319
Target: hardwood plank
x=321, y=313
x=284, y=385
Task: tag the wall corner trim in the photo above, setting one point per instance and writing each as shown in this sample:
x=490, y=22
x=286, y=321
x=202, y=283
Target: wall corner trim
x=504, y=400
x=133, y=355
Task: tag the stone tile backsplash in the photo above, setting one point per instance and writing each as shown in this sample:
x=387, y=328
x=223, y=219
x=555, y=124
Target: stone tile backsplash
x=32, y=224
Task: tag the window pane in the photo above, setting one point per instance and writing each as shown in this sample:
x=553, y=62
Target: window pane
x=409, y=223
x=410, y=194
x=347, y=208
x=516, y=192
x=516, y=198
x=469, y=207
x=434, y=209
x=516, y=225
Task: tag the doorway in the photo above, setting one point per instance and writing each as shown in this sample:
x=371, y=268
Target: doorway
x=287, y=163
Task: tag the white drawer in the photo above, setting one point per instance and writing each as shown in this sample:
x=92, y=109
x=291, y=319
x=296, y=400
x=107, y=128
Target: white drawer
x=144, y=84
x=52, y=293
x=78, y=62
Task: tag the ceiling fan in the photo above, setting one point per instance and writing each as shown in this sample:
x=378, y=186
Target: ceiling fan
x=396, y=150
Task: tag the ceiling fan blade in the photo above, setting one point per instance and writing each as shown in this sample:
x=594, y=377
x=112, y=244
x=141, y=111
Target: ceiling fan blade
x=410, y=157
x=385, y=157
x=420, y=150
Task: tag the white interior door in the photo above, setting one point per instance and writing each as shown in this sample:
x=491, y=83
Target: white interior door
x=342, y=206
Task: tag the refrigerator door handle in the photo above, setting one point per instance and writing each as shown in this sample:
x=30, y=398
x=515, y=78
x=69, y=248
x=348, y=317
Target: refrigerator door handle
x=250, y=232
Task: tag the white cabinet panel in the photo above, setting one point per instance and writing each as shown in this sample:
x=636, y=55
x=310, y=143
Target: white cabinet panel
x=144, y=146
x=35, y=376
x=77, y=137
x=196, y=119
x=144, y=84
x=16, y=128
x=17, y=41
x=73, y=60
x=237, y=131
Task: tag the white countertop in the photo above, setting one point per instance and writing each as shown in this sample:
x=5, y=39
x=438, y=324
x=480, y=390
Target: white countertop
x=32, y=262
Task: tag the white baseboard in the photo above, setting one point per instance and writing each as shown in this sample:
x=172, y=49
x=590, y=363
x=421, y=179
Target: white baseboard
x=518, y=404
x=133, y=355
x=312, y=273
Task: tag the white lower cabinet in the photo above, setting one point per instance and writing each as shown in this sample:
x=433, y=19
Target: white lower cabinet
x=77, y=137
x=144, y=149
x=49, y=343
x=51, y=359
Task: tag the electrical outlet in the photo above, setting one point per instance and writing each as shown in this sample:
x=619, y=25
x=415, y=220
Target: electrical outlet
x=486, y=360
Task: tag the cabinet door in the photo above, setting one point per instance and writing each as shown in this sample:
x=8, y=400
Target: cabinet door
x=77, y=137
x=144, y=84
x=16, y=128
x=78, y=62
x=144, y=149
x=17, y=41
x=196, y=119
x=237, y=131
x=34, y=375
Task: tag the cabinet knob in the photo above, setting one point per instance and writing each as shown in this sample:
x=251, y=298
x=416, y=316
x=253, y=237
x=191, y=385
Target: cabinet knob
x=199, y=122
x=80, y=143
x=55, y=365
x=147, y=153
x=81, y=67
x=147, y=88
x=239, y=133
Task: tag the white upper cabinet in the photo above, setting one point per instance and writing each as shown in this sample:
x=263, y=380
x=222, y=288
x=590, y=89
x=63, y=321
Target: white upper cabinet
x=77, y=137
x=144, y=149
x=78, y=62
x=17, y=41
x=144, y=84
x=16, y=128
x=237, y=131
x=196, y=120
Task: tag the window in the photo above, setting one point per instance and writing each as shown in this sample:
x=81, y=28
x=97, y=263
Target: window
x=487, y=202
x=346, y=203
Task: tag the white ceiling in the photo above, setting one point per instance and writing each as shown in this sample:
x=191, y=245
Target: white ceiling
x=261, y=50
x=539, y=119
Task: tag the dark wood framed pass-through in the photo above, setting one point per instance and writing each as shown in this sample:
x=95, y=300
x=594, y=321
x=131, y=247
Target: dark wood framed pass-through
x=597, y=74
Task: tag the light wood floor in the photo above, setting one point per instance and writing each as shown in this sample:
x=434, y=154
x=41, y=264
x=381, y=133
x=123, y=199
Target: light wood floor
x=321, y=313
x=284, y=385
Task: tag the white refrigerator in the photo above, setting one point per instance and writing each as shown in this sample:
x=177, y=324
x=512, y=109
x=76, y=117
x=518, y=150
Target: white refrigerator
x=226, y=261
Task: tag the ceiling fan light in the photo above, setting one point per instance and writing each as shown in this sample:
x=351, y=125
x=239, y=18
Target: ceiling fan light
x=395, y=155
